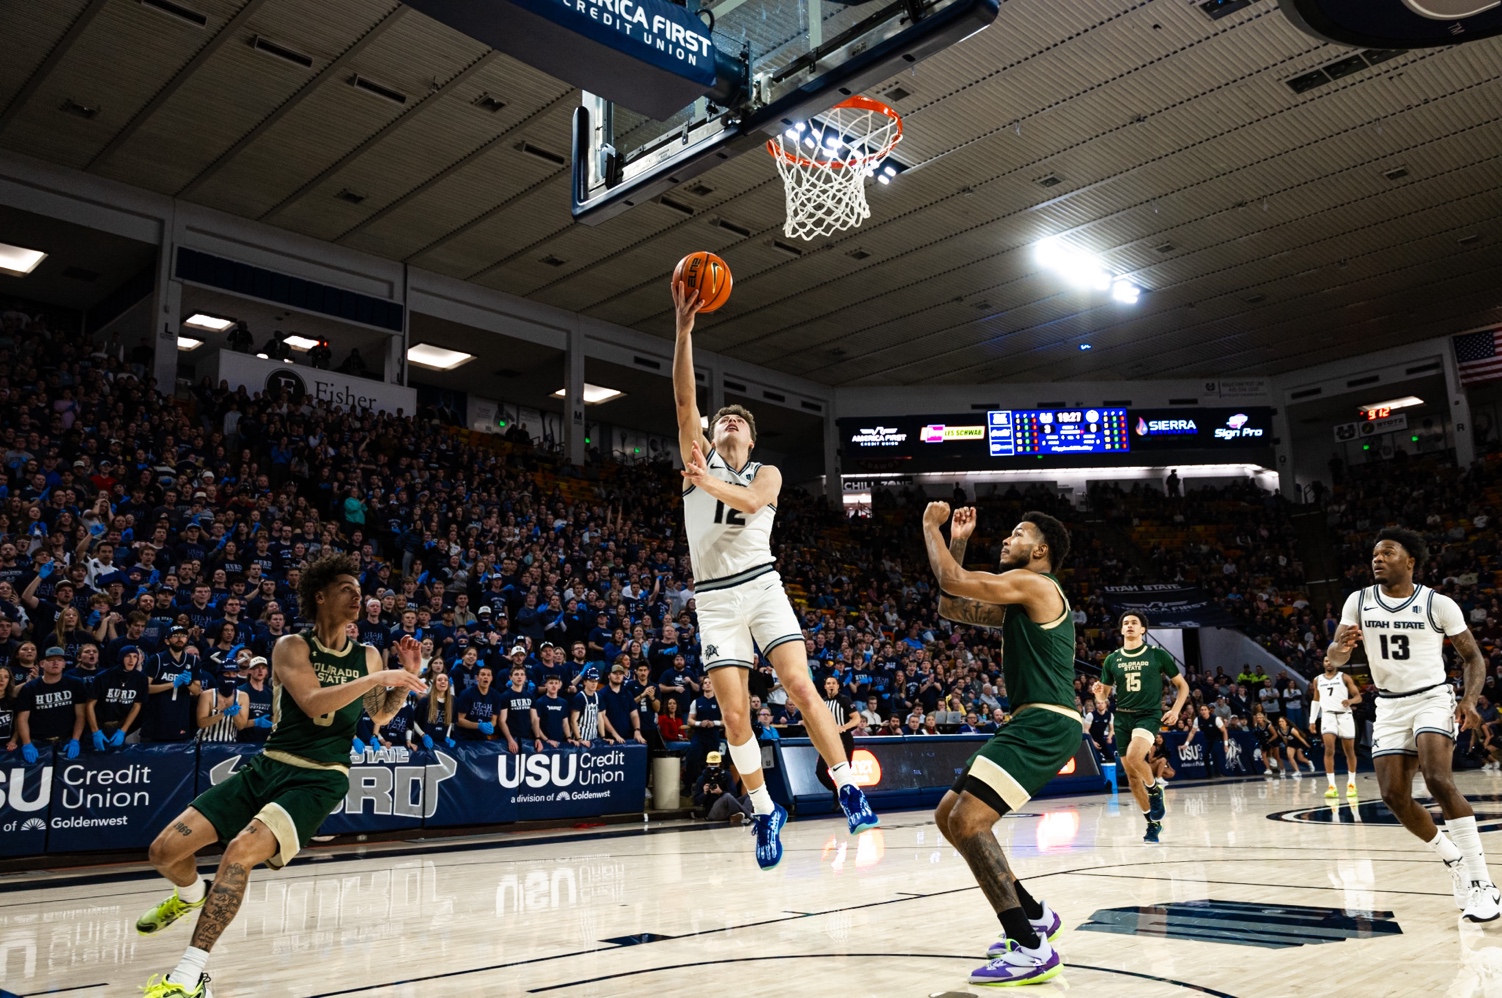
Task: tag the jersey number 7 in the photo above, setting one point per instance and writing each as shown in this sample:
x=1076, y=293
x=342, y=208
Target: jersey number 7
x=729, y=517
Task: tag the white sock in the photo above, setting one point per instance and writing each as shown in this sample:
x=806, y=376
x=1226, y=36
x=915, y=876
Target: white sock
x=191, y=968
x=1331, y=778
x=761, y=800
x=1468, y=841
x=842, y=775
x=1442, y=847
x=193, y=893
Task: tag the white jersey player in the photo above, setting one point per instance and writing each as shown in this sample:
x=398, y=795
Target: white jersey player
x=1403, y=628
x=1330, y=716
x=729, y=502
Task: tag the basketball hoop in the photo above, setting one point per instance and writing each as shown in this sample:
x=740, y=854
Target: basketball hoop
x=825, y=164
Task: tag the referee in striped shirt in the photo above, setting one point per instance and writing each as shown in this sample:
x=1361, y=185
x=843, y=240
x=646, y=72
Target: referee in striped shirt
x=845, y=717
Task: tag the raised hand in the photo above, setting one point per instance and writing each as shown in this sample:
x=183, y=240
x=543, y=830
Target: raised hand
x=936, y=514
x=962, y=524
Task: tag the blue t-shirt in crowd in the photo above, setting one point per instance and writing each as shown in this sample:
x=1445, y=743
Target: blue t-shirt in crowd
x=479, y=707
x=552, y=712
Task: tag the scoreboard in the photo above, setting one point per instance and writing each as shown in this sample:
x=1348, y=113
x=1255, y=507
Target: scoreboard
x=1078, y=437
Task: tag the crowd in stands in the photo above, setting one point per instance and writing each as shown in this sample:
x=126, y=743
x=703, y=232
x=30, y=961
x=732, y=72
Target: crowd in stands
x=151, y=551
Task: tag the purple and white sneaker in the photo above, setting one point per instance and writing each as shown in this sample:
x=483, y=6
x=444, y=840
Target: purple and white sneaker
x=1018, y=967
x=1048, y=927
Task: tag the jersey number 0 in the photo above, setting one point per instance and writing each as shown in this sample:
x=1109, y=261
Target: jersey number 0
x=729, y=517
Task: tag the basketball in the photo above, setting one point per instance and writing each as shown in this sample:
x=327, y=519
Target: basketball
x=706, y=273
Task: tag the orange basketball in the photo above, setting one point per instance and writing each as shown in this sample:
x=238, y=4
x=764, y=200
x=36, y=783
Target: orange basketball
x=706, y=273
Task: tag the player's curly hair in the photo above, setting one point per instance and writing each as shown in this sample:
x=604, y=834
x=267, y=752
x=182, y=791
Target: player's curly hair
x=1141, y=618
x=320, y=575
x=1410, y=540
x=1054, y=535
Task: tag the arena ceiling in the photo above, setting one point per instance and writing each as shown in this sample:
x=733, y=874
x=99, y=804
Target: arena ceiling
x=1271, y=229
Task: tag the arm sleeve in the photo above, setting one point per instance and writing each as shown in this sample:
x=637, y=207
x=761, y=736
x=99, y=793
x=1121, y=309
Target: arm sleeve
x=1448, y=616
x=1350, y=615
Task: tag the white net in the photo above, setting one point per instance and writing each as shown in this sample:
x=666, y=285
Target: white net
x=826, y=163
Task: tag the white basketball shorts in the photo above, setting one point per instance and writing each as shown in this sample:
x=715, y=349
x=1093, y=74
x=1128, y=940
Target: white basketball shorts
x=731, y=619
x=1341, y=724
x=1400, y=720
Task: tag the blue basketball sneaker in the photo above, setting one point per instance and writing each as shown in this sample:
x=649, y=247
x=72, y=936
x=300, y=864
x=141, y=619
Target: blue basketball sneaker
x=1017, y=966
x=1155, y=808
x=857, y=811
x=768, y=828
x=1048, y=926
x=1154, y=829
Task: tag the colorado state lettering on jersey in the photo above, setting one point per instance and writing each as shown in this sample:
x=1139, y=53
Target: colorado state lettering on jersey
x=726, y=547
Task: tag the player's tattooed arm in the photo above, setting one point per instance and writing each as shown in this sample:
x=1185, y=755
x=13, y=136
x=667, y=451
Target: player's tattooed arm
x=1474, y=670
x=382, y=704
x=971, y=611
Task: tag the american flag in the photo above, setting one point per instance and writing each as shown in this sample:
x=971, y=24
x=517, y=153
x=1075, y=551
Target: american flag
x=1479, y=356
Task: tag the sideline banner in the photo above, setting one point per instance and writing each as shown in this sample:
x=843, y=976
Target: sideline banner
x=490, y=785
x=1186, y=754
x=25, y=794
x=119, y=800
x=1240, y=755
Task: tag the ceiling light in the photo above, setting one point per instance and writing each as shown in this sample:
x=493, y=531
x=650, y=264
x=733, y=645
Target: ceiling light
x=212, y=323
x=299, y=342
x=186, y=343
x=19, y=261
x=1084, y=346
x=1125, y=292
x=1085, y=269
x=437, y=358
x=1393, y=404
x=594, y=394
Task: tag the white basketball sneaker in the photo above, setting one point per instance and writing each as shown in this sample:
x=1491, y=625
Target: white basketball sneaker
x=1483, y=904
x=1459, y=884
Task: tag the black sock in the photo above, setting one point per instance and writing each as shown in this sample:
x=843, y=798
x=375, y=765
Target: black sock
x=1018, y=929
x=1031, y=907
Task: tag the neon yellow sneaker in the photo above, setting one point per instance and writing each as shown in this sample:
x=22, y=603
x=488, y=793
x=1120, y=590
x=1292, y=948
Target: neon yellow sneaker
x=166, y=913
x=1332, y=792
x=166, y=989
x=1350, y=790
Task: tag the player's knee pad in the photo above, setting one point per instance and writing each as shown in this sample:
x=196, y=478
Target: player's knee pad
x=746, y=757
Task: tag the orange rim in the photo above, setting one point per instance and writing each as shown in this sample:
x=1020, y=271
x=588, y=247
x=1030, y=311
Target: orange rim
x=858, y=103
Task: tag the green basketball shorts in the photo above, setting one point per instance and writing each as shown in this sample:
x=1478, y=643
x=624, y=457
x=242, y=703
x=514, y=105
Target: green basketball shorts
x=1128, y=724
x=290, y=800
x=1022, y=757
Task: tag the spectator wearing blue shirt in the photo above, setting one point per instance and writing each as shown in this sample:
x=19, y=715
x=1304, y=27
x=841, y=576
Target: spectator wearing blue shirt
x=174, y=683
x=50, y=709
x=550, y=716
x=516, y=716
x=620, y=705
x=479, y=708
x=706, y=726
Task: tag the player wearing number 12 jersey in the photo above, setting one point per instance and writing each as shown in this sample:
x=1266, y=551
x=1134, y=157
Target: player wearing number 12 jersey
x=729, y=502
x=1403, y=627
x=1136, y=671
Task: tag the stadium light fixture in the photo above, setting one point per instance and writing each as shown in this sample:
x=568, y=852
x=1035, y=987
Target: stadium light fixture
x=594, y=394
x=208, y=323
x=1085, y=270
x=186, y=343
x=436, y=358
x=1406, y=402
x=18, y=261
x=299, y=342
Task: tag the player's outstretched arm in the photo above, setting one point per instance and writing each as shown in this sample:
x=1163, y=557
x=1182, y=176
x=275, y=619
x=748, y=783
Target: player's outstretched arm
x=290, y=662
x=1029, y=590
x=686, y=305
x=1474, y=671
x=380, y=702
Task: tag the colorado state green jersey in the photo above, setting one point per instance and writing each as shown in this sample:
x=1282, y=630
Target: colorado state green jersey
x=1138, y=677
x=324, y=739
x=1037, y=660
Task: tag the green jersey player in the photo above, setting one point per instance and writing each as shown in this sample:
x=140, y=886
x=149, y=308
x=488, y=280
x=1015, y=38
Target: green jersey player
x=321, y=682
x=1136, y=672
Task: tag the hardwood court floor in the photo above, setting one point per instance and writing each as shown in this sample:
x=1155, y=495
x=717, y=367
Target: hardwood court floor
x=1300, y=907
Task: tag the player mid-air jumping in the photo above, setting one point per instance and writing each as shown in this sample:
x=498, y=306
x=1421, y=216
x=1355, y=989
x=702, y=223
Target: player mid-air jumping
x=1330, y=715
x=321, y=682
x=1139, y=669
x=1026, y=601
x=729, y=502
x=1403, y=627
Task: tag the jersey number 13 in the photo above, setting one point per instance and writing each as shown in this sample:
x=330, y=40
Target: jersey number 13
x=1395, y=646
